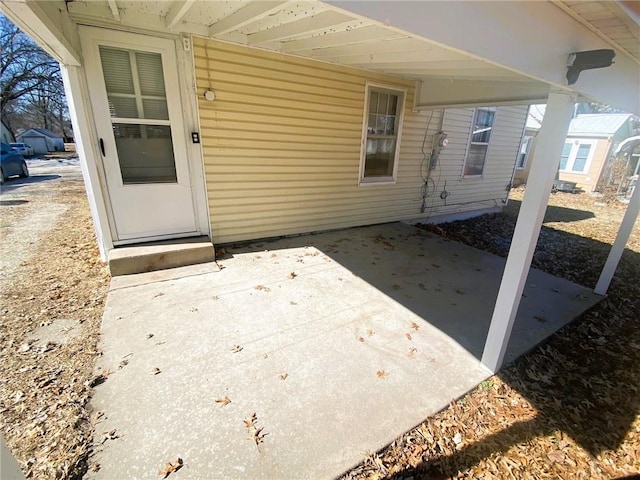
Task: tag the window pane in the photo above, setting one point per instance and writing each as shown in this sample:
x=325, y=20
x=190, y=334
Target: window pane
x=393, y=104
x=483, y=121
x=145, y=153
x=383, y=100
x=371, y=126
x=373, y=102
x=566, y=151
x=379, y=159
x=150, y=73
x=524, y=151
x=116, y=66
x=156, y=109
x=475, y=160
x=581, y=158
x=123, y=107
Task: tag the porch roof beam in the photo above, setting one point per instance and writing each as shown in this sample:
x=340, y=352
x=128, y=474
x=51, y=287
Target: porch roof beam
x=244, y=16
x=40, y=26
x=461, y=93
x=113, y=6
x=178, y=10
x=539, y=51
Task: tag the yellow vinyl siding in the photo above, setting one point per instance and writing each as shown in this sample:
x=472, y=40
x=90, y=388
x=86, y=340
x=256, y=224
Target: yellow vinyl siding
x=282, y=145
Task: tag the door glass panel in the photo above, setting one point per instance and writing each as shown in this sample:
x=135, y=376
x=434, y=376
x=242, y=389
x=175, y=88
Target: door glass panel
x=136, y=91
x=117, y=67
x=156, y=109
x=150, y=73
x=145, y=153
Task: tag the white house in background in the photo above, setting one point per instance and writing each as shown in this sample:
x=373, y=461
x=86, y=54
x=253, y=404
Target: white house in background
x=42, y=140
x=589, y=145
x=5, y=134
x=249, y=119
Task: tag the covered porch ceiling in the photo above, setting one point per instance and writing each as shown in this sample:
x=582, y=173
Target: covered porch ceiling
x=355, y=35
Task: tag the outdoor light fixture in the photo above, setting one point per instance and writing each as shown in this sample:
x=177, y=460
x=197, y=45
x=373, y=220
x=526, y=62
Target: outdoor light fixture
x=579, y=61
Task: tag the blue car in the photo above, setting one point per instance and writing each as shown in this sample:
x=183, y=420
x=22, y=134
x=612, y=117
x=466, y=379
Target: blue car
x=11, y=163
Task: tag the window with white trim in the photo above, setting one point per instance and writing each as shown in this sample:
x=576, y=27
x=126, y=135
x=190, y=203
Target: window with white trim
x=479, y=141
x=379, y=158
x=524, y=152
x=576, y=156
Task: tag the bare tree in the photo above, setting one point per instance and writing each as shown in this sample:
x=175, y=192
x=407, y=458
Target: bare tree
x=31, y=89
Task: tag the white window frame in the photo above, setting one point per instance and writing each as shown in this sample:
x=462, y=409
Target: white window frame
x=576, y=142
x=527, y=140
x=402, y=93
x=470, y=142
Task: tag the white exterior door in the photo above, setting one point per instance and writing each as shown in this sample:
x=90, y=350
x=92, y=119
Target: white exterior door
x=135, y=94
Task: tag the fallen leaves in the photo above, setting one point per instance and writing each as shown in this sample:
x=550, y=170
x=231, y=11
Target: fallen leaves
x=415, y=326
x=283, y=376
x=171, y=467
x=236, y=349
x=292, y=275
x=99, y=379
x=262, y=288
x=110, y=435
x=223, y=401
x=256, y=433
x=156, y=371
x=382, y=374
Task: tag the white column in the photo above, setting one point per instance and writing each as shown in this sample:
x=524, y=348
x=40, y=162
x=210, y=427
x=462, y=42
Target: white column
x=622, y=237
x=543, y=169
x=85, y=139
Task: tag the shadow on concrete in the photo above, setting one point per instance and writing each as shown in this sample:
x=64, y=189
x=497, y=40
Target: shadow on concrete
x=15, y=183
x=584, y=381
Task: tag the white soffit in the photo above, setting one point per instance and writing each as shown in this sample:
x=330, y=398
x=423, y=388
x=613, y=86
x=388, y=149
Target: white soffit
x=305, y=28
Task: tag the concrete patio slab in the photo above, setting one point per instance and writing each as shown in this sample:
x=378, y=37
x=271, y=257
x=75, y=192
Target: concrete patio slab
x=338, y=342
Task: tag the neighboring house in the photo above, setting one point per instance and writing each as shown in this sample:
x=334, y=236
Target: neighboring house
x=590, y=143
x=42, y=140
x=5, y=134
x=527, y=145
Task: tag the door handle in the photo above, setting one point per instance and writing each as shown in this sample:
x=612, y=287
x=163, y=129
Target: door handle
x=102, y=146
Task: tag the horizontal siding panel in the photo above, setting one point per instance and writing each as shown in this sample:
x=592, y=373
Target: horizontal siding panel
x=338, y=122
x=281, y=145
x=224, y=92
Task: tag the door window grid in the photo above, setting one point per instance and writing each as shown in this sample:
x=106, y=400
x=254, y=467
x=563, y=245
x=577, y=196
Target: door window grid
x=140, y=118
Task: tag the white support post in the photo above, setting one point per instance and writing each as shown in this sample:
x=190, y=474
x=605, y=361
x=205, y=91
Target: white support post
x=85, y=139
x=551, y=137
x=622, y=237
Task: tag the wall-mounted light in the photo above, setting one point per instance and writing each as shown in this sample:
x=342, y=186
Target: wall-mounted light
x=210, y=95
x=587, y=60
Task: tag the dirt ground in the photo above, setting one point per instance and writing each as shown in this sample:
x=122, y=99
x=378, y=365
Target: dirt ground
x=570, y=409
x=52, y=289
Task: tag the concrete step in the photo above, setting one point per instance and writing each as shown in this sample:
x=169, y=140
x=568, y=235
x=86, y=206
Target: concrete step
x=148, y=257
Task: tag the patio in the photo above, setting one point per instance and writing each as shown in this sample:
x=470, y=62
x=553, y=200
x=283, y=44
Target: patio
x=339, y=342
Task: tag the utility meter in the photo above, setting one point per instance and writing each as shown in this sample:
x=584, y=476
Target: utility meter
x=440, y=141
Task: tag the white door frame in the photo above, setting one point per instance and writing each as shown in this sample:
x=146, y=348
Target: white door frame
x=190, y=123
